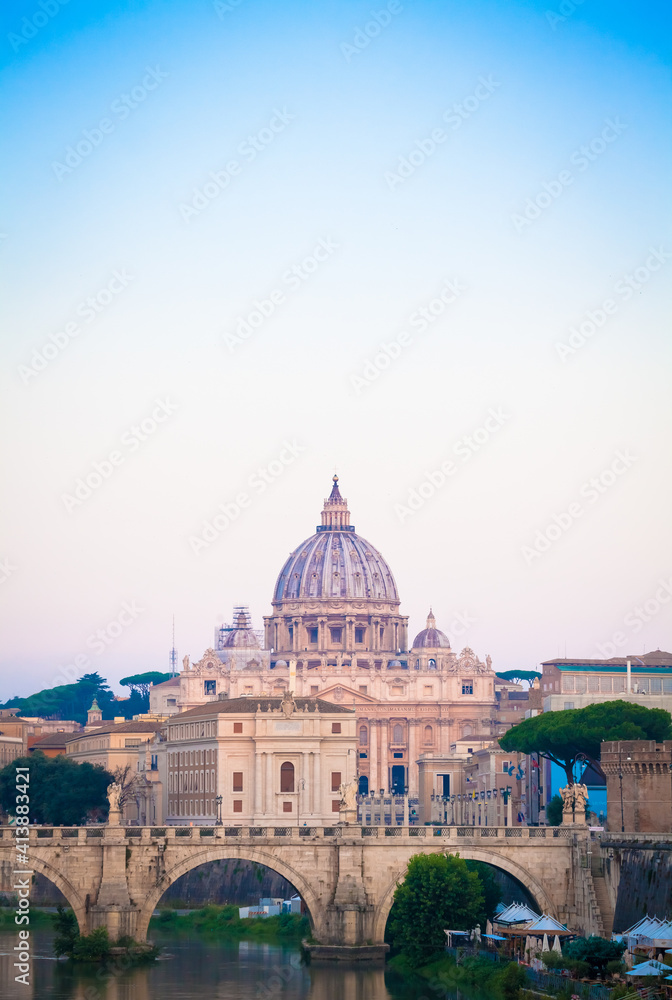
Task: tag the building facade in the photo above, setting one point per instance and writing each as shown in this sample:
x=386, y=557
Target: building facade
x=257, y=762
x=336, y=633
x=645, y=680
x=639, y=785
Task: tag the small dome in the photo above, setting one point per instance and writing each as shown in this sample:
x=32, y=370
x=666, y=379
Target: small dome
x=241, y=636
x=281, y=663
x=395, y=663
x=431, y=637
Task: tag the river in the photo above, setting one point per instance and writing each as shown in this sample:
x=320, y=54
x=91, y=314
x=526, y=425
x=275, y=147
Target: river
x=198, y=967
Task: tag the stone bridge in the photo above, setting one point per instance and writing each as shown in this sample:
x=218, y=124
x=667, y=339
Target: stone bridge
x=346, y=875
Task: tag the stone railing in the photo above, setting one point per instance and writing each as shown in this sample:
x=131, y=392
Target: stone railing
x=459, y=834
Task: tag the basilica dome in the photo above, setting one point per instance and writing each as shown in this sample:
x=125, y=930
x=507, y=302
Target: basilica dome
x=431, y=637
x=241, y=634
x=335, y=563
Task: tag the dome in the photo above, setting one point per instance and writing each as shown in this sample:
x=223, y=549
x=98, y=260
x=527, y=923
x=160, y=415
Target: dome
x=241, y=635
x=335, y=563
x=431, y=637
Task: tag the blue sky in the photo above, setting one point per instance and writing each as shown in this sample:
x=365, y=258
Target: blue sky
x=540, y=209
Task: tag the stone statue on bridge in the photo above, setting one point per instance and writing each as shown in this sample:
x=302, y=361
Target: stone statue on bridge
x=574, y=798
x=114, y=798
x=348, y=806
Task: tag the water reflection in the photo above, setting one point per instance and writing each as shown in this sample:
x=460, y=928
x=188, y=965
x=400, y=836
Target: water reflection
x=194, y=967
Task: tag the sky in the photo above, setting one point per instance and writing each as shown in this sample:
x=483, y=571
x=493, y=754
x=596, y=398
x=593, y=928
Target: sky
x=424, y=245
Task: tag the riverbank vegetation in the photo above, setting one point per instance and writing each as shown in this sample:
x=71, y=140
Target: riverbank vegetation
x=38, y=918
x=500, y=979
x=96, y=947
x=224, y=921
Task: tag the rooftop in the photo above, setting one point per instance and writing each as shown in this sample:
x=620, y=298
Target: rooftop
x=255, y=704
x=119, y=727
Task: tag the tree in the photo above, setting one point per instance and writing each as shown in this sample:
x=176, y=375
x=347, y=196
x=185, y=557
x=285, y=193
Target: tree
x=126, y=777
x=595, y=951
x=142, y=682
x=62, y=793
x=492, y=890
x=438, y=892
x=571, y=735
x=519, y=675
x=554, y=811
x=68, y=701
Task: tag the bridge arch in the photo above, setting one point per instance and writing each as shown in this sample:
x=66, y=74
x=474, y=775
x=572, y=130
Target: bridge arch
x=75, y=901
x=533, y=886
x=226, y=853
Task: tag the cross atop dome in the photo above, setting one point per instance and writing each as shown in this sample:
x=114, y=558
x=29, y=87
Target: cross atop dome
x=335, y=514
x=431, y=620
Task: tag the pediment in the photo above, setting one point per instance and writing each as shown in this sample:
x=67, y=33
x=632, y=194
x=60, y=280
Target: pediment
x=341, y=694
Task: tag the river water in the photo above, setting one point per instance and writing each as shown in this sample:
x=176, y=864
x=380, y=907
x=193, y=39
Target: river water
x=198, y=967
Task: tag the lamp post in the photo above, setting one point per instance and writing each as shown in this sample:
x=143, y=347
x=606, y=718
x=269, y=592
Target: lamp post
x=218, y=802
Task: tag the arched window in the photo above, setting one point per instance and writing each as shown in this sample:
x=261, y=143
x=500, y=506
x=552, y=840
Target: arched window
x=432, y=665
x=466, y=731
x=398, y=733
x=287, y=777
x=429, y=734
x=363, y=736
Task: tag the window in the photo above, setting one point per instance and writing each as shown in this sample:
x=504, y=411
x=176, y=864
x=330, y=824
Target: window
x=207, y=781
x=363, y=688
x=336, y=634
x=335, y=780
x=209, y=687
x=248, y=689
x=619, y=685
x=335, y=727
x=569, y=705
x=237, y=781
x=593, y=684
x=429, y=734
x=335, y=805
x=131, y=743
x=359, y=635
x=363, y=735
x=432, y=664
x=397, y=733
x=567, y=683
x=506, y=764
x=286, y=807
x=467, y=687
x=287, y=777
x=312, y=634
x=171, y=701
x=363, y=756
x=428, y=689
x=237, y=805
x=398, y=755
x=656, y=685
x=237, y=727
x=314, y=688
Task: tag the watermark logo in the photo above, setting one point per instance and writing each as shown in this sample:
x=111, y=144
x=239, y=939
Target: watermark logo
x=121, y=108
x=420, y=320
x=594, y=320
x=363, y=37
x=249, y=149
x=258, y=482
x=89, y=310
x=590, y=491
x=464, y=449
x=581, y=158
x=291, y=280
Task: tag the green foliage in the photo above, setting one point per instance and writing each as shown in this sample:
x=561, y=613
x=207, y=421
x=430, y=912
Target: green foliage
x=511, y=980
x=595, y=952
x=93, y=947
x=566, y=736
x=519, y=675
x=62, y=792
x=67, y=932
x=68, y=701
x=141, y=683
x=225, y=922
x=552, y=960
x=492, y=890
x=554, y=811
x=438, y=892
